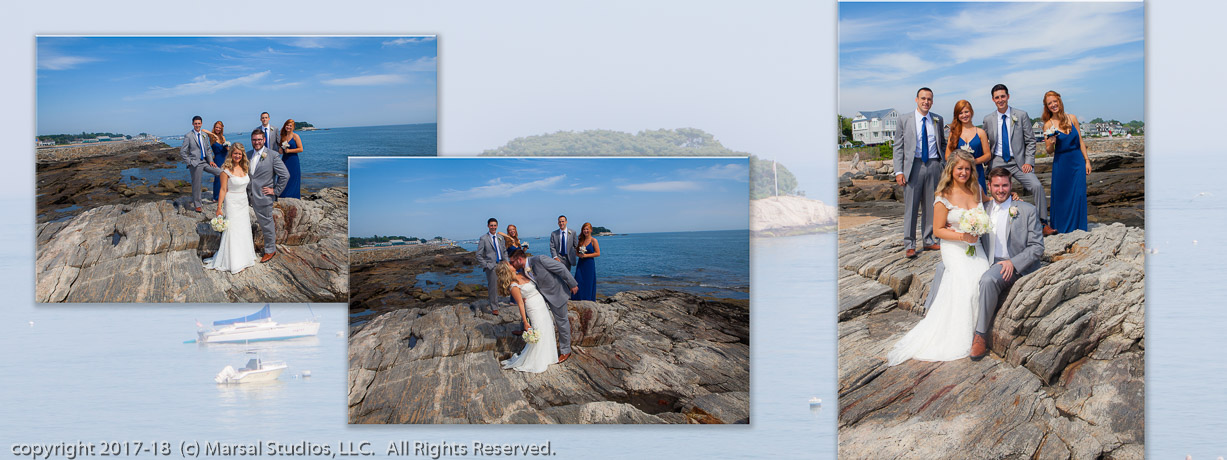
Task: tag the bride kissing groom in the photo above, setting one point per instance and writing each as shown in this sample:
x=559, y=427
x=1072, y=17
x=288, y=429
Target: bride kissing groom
x=968, y=283
x=541, y=287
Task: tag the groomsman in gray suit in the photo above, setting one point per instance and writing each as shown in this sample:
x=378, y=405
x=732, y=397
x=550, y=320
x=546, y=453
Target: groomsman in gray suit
x=491, y=251
x=198, y=157
x=1018, y=155
x=555, y=283
x=272, y=134
x=1015, y=246
x=919, y=158
x=563, y=244
x=269, y=177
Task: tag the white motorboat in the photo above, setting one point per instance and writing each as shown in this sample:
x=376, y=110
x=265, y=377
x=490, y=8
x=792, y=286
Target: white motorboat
x=256, y=370
x=256, y=327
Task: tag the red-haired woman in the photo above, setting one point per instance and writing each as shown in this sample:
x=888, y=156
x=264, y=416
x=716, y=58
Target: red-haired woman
x=1070, y=166
x=967, y=137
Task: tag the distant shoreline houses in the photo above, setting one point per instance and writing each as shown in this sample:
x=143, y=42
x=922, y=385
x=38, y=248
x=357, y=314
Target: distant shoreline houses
x=875, y=126
x=92, y=140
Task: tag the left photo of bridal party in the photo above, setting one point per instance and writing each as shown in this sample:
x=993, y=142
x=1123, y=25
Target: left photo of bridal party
x=214, y=169
x=534, y=290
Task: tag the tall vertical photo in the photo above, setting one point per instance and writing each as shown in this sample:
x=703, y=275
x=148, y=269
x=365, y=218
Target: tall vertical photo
x=991, y=231
x=549, y=290
x=214, y=169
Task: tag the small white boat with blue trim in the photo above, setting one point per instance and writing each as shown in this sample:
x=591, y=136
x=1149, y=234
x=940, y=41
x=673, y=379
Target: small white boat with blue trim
x=256, y=371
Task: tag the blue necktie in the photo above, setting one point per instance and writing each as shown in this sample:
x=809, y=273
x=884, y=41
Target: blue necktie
x=498, y=256
x=924, y=138
x=200, y=144
x=563, y=250
x=1005, y=140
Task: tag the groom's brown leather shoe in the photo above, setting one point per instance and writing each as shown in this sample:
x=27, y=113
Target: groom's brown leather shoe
x=267, y=257
x=1049, y=231
x=564, y=358
x=979, y=347
x=933, y=247
x=198, y=209
x=910, y=253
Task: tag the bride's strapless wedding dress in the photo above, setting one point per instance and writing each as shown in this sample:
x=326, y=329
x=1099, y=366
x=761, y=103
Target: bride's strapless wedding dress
x=945, y=332
x=535, y=357
x=238, y=249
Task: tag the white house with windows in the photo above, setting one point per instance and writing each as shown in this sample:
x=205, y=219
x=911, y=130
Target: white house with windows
x=874, y=127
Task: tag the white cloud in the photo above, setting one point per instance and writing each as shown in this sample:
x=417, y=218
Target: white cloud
x=63, y=62
x=407, y=40
x=494, y=189
x=422, y=64
x=730, y=171
x=367, y=80
x=309, y=42
x=576, y=191
x=662, y=186
x=203, y=85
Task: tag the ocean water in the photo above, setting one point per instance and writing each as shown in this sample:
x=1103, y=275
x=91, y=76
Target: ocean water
x=325, y=157
x=714, y=263
x=1186, y=316
x=97, y=373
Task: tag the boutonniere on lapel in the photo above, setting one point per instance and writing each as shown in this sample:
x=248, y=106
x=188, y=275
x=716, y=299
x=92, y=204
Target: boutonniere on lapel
x=263, y=155
x=1013, y=211
x=1014, y=117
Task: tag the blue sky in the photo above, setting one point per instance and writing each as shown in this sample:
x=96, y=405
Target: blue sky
x=453, y=197
x=156, y=84
x=1090, y=53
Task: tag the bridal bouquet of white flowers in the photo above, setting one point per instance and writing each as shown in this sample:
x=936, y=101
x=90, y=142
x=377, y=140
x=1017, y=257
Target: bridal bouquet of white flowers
x=975, y=222
x=219, y=223
x=531, y=336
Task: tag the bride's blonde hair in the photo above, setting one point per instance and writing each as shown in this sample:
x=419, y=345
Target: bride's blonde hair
x=947, y=181
x=506, y=276
x=229, y=164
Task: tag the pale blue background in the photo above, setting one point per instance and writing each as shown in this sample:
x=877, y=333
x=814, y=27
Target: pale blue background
x=759, y=77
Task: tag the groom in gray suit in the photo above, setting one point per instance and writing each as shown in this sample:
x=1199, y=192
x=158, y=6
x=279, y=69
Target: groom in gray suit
x=1018, y=155
x=1015, y=246
x=491, y=251
x=564, y=244
x=198, y=157
x=269, y=177
x=555, y=283
x=919, y=158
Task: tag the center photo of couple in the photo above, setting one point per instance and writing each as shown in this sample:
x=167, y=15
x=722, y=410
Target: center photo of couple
x=549, y=291
x=992, y=230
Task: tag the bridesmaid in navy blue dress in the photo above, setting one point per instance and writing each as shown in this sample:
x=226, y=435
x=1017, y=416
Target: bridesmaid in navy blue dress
x=1070, y=166
x=585, y=268
x=964, y=133
x=291, y=146
x=220, y=148
x=512, y=238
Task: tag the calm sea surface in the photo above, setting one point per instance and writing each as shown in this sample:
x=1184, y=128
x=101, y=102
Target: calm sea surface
x=115, y=372
x=715, y=263
x=325, y=157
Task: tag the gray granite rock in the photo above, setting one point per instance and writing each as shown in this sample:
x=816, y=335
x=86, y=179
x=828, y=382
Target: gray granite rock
x=639, y=357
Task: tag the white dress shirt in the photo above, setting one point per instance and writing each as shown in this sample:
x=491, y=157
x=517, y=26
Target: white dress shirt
x=1000, y=214
x=927, y=119
x=255, y=158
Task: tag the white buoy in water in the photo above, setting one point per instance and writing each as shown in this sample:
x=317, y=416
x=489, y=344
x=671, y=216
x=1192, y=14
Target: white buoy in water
x=1194, y=242
x=340, y=333
x=306, y=373
x=815, y=401
x=31, y=323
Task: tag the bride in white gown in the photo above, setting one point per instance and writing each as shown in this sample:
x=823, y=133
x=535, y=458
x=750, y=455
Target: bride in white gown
x=535, y=357
x=237, y=250
x=946, y=331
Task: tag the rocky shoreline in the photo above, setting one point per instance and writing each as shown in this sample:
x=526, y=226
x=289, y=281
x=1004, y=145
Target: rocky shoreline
x=1115, y=188
x=640, y=357
x=382, y=280
x=1065, y=376
x=152, y=251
